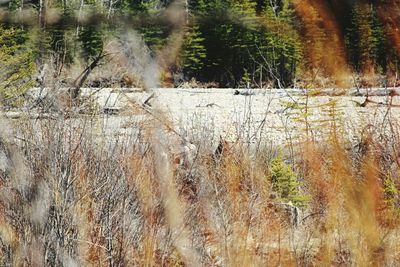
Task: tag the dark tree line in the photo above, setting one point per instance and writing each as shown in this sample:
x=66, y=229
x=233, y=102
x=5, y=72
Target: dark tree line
x=225, y=42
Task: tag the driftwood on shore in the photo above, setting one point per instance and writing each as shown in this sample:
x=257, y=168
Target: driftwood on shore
x=389, y=91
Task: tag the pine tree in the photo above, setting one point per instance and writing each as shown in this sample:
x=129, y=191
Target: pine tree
x=16, y=64
x=366, y=40
x=91, y=38
x=154, y=35
x=379, y=42
x=285, y=183
x=281, y=47
x=239, y=42
x=193, y=52
x=197, y=7
x=133, y=8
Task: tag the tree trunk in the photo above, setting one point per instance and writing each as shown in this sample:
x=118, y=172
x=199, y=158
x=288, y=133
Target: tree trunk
x=80, y=80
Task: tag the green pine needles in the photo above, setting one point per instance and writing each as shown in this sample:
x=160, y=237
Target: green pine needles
x=286, y=183
x=16, y=64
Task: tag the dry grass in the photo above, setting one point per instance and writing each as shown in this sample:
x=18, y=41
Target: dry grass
x=71, y=198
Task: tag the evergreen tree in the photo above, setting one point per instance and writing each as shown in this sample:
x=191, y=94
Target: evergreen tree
x=379, y=42
x=281, y=51
x=237, y=42
x=133, y=7
x=197, y=7
x=193, y=53
x=154, y=35
x=285, y=183
x=61, y=47
x=91, y=38
x=16, y=64
x=365, y=40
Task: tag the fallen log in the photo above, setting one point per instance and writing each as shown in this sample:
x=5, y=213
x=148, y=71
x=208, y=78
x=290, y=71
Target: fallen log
x=390, y=91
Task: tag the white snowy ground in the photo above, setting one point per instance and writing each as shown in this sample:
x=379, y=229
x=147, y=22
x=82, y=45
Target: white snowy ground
x=215, y=112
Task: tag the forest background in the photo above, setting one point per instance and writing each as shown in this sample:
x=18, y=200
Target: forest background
x=216, y=43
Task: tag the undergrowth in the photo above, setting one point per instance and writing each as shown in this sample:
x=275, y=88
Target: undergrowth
x=70, y=196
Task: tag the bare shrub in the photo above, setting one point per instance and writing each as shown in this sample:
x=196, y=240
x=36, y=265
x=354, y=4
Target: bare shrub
x=72, y=195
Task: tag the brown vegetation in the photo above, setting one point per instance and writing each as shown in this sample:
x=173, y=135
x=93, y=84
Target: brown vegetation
x=70, y=197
